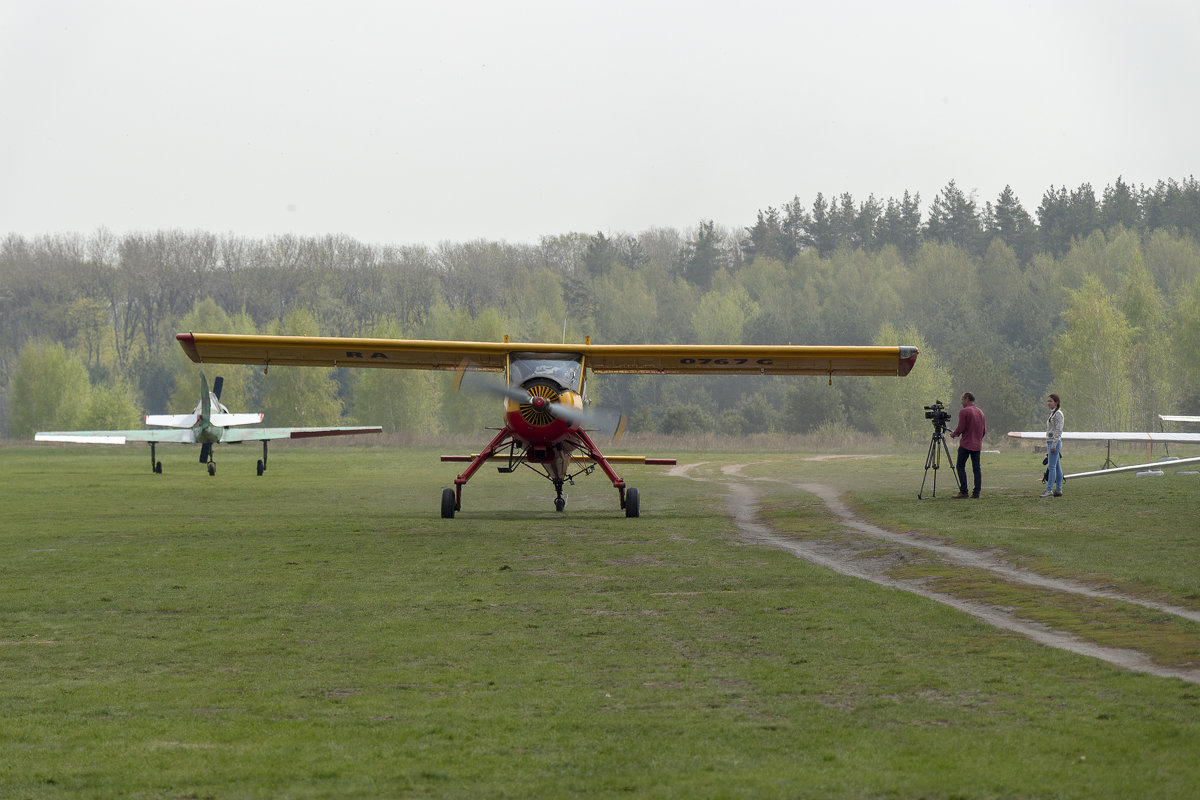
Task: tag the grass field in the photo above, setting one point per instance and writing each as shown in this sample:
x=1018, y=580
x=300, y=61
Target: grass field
x=321, y=632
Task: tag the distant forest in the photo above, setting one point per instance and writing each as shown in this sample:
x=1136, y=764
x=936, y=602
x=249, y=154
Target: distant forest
x=1094, y=297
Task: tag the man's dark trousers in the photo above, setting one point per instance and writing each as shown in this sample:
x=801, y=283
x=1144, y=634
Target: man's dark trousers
x=961, y=468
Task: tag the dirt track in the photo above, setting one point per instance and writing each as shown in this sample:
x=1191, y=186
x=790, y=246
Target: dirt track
x=846, y=558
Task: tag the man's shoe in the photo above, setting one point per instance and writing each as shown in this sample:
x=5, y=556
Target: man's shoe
x=974, y=497
x=960, y=496
x=1058, y=494
x=1046, y=493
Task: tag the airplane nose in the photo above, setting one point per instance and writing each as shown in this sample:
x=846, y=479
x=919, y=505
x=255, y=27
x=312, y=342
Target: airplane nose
x=540, y=402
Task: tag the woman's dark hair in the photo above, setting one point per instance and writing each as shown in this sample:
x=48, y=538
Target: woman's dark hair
x=1057, y=402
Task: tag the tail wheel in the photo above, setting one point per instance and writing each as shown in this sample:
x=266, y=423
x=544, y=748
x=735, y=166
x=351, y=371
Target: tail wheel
x=449, y=501
x=632, y=501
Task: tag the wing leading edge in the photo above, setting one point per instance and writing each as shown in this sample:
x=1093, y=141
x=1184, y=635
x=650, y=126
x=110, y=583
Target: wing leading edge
x=264, y=434
x=182, y=436
x=324, y=351
x=1114, y=436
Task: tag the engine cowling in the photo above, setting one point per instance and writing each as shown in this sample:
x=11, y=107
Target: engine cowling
x=539, y=418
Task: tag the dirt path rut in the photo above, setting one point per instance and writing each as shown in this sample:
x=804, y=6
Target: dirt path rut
x=844, y=558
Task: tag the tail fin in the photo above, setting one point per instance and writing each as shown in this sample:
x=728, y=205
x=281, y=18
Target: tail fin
x=205, y=402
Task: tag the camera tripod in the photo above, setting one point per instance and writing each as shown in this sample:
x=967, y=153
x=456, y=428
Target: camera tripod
x=934, y=458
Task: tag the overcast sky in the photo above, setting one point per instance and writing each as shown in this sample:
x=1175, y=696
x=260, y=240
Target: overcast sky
x=419, y=122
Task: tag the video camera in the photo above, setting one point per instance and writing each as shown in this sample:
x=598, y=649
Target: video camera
x=937, y=413
x=940, y=417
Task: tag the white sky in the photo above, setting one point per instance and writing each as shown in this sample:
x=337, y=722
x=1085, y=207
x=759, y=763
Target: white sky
x=417, y=122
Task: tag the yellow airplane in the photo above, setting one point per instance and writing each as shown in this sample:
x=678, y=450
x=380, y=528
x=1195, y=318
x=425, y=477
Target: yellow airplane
x=547, y=413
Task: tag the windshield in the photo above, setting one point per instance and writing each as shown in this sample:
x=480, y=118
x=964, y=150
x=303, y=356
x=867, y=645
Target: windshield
x=564, y=370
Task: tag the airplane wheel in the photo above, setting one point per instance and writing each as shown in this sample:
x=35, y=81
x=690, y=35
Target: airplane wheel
x=448, y=503
x=632, y=503
x=559, y=504
x=212, y=468
x=158, y=468
x=261, y=467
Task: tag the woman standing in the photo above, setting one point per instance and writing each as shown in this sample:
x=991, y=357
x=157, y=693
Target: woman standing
x=1054, y=429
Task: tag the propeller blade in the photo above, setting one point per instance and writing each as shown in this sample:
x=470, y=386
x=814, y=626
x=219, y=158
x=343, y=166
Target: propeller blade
x=485, y=382
x=606, y=420
x=205, y=453
x=218, y=383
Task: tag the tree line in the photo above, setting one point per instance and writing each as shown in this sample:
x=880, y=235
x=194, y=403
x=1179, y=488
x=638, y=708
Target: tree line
x=1096, y=297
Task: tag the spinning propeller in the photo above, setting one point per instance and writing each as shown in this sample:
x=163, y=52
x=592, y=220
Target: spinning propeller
x=540, y=404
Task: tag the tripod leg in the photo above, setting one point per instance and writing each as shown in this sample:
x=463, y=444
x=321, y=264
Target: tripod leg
x=931, y=462
x=962, y=484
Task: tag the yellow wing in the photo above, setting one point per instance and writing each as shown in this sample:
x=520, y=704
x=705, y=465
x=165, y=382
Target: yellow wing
x=323, y=351
x=330, y=351
x=750, y=359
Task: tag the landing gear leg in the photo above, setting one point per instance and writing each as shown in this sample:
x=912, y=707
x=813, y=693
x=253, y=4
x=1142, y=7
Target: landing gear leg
x=262, y=465
x=452, y=498
x=155, y=465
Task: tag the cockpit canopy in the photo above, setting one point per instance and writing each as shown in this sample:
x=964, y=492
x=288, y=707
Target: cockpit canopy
x=564, y=369
x=215, y=406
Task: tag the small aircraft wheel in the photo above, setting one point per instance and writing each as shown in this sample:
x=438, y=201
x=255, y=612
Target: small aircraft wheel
x=261, y=467
x=212, y=468
x=631, y=503
x=158, y=468
x=559, y=503
x=448, y=503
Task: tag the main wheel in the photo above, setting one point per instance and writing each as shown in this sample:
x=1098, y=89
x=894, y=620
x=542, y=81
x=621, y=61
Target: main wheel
x=212, y=468
x=448, y=503
x=631, y=503
x=559, y=503
x=261, y=467
x=158, y=468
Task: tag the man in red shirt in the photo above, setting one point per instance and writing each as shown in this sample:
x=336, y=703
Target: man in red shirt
x=972, y=429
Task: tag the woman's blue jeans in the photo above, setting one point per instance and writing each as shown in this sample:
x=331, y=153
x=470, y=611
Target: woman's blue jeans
x=1054, y=473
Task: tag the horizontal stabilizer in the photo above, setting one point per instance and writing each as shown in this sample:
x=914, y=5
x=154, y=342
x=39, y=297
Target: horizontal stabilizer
x=504, y=456
x=662, y=462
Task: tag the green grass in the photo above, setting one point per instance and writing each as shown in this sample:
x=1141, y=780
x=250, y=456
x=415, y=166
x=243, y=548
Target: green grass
x=321, y=632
